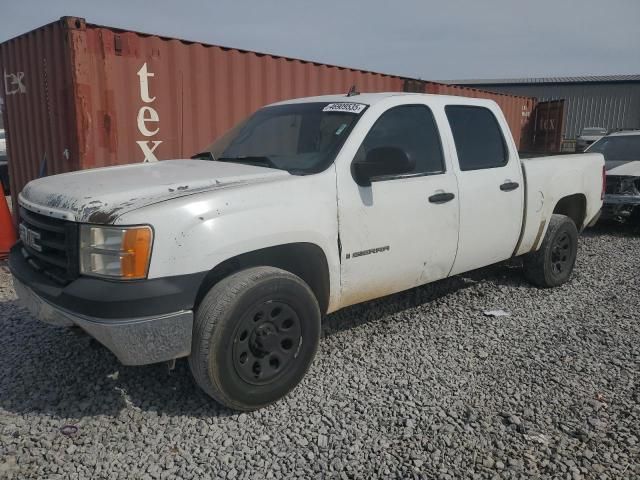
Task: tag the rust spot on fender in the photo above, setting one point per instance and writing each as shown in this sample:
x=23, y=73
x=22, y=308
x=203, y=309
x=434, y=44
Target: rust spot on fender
x=104, y=217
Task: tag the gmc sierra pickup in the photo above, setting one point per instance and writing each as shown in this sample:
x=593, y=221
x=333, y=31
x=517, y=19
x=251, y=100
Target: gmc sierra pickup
x=232, y=258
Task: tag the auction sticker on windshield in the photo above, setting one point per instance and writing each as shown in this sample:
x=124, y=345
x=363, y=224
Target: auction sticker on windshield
x=344, y=107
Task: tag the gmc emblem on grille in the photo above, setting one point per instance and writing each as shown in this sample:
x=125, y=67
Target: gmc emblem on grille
x=30, y=237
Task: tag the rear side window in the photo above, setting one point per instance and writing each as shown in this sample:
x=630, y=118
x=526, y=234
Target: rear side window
x=478, y=138
x=413, y=129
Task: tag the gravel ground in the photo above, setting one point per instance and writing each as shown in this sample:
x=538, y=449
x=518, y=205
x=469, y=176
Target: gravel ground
x=420, y=384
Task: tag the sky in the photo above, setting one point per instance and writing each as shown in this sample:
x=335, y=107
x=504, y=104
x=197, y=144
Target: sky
x=454, y=39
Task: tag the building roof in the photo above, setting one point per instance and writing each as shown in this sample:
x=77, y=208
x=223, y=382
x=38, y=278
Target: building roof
x=529, y=81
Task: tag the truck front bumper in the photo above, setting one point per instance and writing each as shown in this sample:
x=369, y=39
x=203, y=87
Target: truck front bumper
x=135, y=341
x=141, y=322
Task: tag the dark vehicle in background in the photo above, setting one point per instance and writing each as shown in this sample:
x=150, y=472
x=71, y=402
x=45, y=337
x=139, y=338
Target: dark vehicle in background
x=4, y=166
x=621, y=152
x=588, y=136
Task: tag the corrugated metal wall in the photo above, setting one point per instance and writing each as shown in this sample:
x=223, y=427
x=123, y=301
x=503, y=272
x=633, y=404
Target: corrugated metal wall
x=83, y=96
x=38, y=104
x=610, y=105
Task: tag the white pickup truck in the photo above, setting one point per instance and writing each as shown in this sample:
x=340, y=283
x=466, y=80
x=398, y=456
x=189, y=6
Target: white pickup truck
x=308, y=206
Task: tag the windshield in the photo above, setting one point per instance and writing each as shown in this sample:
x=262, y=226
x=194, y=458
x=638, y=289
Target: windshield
x=618, y=148
x=301, y=138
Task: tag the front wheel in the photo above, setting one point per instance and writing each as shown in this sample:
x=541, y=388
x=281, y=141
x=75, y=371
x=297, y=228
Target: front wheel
x=255, y=335
x=553, y=263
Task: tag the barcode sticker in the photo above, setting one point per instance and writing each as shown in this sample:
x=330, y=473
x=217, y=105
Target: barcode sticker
x=345, y=107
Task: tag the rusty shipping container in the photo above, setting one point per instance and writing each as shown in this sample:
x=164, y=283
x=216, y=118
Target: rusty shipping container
x=78, y=95
x=547, y=127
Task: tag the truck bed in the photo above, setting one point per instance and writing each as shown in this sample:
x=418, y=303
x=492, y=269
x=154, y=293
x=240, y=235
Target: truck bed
x=548, y=179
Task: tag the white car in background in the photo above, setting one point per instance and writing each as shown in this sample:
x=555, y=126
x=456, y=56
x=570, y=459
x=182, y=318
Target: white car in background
x=589, y=136
x=621, y=152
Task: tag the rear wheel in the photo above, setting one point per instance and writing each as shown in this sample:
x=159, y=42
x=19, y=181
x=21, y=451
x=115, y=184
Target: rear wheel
x=255, y=335
x=553, y=263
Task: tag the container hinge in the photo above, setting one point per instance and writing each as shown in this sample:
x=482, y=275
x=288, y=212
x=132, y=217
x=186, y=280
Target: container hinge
x=117, y=44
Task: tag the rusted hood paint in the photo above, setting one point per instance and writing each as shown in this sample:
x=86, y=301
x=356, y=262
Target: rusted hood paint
x=102, y=195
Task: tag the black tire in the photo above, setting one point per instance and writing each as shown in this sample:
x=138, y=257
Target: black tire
x=553, y=263
x=265, y=316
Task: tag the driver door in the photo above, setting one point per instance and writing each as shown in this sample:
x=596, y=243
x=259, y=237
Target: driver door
x=402, y=230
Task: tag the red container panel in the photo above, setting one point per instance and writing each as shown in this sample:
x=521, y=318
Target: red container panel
x=142, y=96
x=38, y=104
x=80, y=96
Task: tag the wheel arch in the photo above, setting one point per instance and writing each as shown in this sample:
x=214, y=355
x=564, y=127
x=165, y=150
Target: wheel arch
x=305, y=260
x=573, y=206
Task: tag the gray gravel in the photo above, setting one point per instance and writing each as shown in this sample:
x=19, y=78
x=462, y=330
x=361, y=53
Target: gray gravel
x=421, y=384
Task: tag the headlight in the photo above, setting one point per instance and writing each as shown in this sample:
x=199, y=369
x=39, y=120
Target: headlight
x=115, y=252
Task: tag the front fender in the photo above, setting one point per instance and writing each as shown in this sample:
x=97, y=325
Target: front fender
x=199, y=232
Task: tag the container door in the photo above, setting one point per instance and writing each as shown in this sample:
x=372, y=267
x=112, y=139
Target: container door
x=547, y=127
x=402, y=230
x=490, y=184
x=38, y=108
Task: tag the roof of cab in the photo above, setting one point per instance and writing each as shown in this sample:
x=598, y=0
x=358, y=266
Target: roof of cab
x=373, y=98
x=366, y=98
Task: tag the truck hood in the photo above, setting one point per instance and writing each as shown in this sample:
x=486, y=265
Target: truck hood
x=103, y=194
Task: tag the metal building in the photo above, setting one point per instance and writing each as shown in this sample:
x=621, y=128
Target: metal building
x=612, y=101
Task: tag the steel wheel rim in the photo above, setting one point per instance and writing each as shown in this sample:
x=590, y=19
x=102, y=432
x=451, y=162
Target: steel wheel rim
x=266, y=342
x=561, y=254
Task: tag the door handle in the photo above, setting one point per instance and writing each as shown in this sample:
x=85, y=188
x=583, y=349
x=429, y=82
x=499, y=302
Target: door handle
x=441, y=197
x=508, y=186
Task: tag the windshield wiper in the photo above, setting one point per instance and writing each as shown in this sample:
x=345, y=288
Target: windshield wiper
x=253, y=160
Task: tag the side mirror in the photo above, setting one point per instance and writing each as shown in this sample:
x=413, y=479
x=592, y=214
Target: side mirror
x=381, y=162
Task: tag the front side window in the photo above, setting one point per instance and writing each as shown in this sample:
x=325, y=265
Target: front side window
x=301, y=138
x=478, y=138
x=413, y=129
